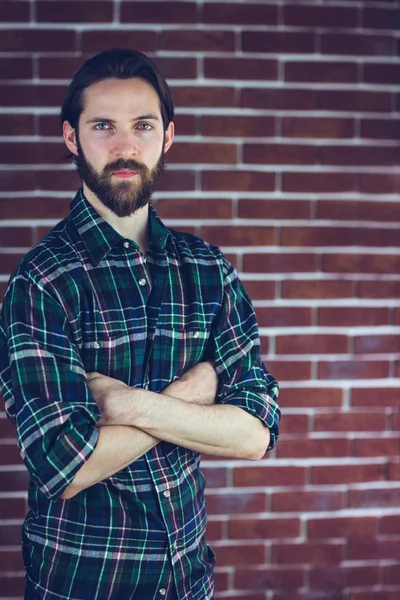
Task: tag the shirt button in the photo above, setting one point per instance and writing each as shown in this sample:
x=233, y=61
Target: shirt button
x=96, y=345
x=196, y=334
x=167, y=493
x=142, y=281
x=127, y=245
x=162, y=592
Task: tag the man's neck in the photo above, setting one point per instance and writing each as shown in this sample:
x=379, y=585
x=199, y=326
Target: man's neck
x=135, y=227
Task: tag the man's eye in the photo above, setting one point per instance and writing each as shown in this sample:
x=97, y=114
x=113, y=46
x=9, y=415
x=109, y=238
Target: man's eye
x=102, y=126
x=145, y=126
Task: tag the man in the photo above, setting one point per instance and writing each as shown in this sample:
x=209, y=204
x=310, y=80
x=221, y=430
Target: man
x=127, y=349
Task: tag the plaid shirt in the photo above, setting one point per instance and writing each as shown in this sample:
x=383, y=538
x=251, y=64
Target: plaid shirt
x=85, y=299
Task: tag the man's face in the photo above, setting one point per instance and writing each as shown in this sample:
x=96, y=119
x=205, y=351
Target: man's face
x=120, y=143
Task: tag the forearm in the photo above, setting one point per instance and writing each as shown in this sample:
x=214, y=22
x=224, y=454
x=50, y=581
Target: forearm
x=116, y=448
x=219, y=430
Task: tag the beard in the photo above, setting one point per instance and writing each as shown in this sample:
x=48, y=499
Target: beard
x=123, y=198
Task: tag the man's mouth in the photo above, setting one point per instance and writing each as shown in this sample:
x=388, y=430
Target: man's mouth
x=124, y=174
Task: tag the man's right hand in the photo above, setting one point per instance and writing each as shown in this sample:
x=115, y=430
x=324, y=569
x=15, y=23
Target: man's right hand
x=199, y=385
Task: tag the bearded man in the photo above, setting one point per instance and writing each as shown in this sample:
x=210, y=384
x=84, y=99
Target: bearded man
x=127, y=349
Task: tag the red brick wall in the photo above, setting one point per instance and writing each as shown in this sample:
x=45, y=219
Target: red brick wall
x=287, y=156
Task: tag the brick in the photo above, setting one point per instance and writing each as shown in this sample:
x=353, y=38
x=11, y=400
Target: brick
x=7, y=429
x=185, y=124
x=49, y=125
x=203, y=96
x=320, y=288
x=376, y=183
x=260, y=290
x=240, y=14
x=319, y=16
x=244, y=528
x=378, y=595
x=193, y=40
x=358, y=210
x=215, y=476
x=11, y=181
x=316, y=553
x=307, y=501
x=382, y=289
x=315, y=183
x=315, y=448
x=8, y=262
x=240, y=68
x=274, y=209
x=361, y=263
x=278, y=42
x=267, y=577
x=294, y=370
x=238, y=180
x=279, y=154
x=17, y=124
x=12, y=586
x=61, y=180
x=11, y=561
x=293, y=424
x=353, y=369
x=215, y=530
x=394, y=470
x=344, y=576
x=10, y=454
x=371, y=548
x=96, y=41
x=339, y=316
x=176, y=67
x=368, y=397
x=237, y=126
x=17, y=153
x=365, y=344
x=278, y=98
x=281, y=316
x=317, y=236
x=339, y=473
x=386, y=74
x=12, y=508
x=177, y=180
x=379, y=446
x=182, y=208
x=279, y=263
x=221, y=580
x=392, y=574
x=380, y=129
x=270, y=476
x=356, y=44
x=194, y=152
x=37, y=40
x=10, y=535
x=235, y=503
x=342, y=527
x=158, y=12
x=16, y=68
x=313, y=397
x=264, y=345
x=317, y=127
x=234, y=555
x=390, y=525
x=311, y=344
x=239, y=236
x=316, y=594
x=321, y=71
x=32, y=95
x=360, y=155
x=351, y=421
x=81, y=12
x=378, y=237
x=381, y=18
x=14, y=12
x=355, y=100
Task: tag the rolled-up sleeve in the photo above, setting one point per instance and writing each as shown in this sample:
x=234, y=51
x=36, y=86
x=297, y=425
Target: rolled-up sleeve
x=243, y=379
x=44, y=387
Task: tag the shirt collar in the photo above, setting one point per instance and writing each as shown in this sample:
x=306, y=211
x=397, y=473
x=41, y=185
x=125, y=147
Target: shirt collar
x=99, y=237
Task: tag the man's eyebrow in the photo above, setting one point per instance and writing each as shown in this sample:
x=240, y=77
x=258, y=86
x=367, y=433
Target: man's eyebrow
x=147, y=117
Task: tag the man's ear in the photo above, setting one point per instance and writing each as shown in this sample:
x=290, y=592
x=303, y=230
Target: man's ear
x=169, y=136
x=69, y=134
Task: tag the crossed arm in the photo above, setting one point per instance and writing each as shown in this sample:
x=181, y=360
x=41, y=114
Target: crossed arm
x=134, y=420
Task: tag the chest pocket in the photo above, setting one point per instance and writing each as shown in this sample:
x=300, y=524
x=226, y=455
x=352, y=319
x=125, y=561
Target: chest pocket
x=109, y=354
x=176, y=350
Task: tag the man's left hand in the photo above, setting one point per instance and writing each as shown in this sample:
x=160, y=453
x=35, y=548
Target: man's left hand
x=113, y=397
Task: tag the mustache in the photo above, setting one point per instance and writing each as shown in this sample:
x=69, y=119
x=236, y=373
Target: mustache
x=120, y=164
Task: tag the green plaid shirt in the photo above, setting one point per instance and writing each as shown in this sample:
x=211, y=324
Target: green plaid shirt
x=85, y=299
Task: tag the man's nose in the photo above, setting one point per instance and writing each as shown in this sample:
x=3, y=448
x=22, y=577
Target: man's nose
x=125, y=145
